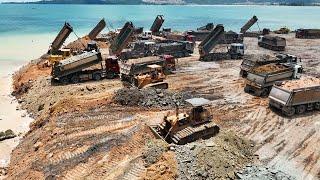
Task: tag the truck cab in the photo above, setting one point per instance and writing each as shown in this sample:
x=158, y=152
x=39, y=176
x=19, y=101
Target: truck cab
x=298, y=69
x=236, y=50
x=147, y=34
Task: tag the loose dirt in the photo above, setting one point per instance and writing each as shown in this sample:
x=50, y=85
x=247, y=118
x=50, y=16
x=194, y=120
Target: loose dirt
x=303, y=82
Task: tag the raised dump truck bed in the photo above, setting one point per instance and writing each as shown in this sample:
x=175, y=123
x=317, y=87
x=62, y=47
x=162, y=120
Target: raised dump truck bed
x=274, y=43
x=176, y=48
x=97, y=29
x=308, y=33
x=260, y=80
x=296, y=97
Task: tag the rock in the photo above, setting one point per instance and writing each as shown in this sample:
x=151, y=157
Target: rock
x=37, y=145
x=40, y=107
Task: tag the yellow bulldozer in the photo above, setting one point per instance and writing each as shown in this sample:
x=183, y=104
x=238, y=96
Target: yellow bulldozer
x=183, y=128
x=154, y=78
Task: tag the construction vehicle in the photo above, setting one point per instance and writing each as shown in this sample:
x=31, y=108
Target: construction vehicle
x=248, y=25
x=183, y=128
x=283, y=30
x=208, y=27
x=297, y=100
x=235, y=51
x=174, y=48
x=96, y=30
x=56, y=53
x=274, y=43
x=138, y=49
x=86, y=66
x=122, y=39
x=231, y=37
x=260, y=80
x=308, y=33
x=157, y=23
x=250, y=63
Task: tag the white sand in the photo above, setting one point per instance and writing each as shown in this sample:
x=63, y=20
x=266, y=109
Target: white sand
x=10, y=118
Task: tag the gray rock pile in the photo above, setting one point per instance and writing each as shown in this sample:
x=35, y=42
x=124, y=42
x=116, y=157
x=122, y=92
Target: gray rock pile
x=150, y=97
x=262, y=173
x=8, y=134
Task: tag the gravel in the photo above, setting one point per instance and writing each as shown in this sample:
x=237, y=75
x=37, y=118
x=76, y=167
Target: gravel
x=262, y=173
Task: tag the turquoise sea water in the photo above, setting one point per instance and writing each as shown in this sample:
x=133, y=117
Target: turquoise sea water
x=36, y=25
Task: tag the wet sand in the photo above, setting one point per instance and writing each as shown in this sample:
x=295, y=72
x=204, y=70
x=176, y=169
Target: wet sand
x=10, y=117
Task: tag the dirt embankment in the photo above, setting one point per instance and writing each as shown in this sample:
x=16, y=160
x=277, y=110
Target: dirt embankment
x=81, y=132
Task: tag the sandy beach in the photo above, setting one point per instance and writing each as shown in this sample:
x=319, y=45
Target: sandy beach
x=10, y=117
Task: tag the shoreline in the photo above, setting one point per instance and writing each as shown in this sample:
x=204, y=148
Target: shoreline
x=10, y=115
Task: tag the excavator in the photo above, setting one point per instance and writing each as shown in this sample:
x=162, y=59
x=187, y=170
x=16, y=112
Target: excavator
x=183, y=128
x=235, y=51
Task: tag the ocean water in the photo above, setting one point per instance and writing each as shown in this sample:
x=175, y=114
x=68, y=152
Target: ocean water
x=27, y=30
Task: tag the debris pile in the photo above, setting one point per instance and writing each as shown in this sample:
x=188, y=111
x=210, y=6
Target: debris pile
x=150, y=97
x=269, y=68
x=260, y=172
x=303, y=82
x=218, y=157
x=81, y=44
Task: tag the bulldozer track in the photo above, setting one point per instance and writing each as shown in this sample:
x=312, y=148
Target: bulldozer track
x=135, y=173
x=99, y=130
x=79, y=171
x=69, y=154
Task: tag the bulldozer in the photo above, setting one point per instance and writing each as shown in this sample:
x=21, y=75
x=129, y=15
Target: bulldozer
x=153, y=78
x=183, y=128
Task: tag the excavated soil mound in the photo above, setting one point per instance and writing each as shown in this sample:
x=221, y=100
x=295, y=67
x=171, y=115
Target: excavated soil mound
x=303, y=82
x=155, y=98
x=218, y=157
x=81, y=44
x=269, y=68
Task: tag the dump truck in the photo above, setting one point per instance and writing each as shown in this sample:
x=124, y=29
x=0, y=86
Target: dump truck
x=122, y=39
x=274, y=43
x=96, y=30
x=138, y=49
x=250, y=62
x=144, y=72
x=248, y=25
x=235, y=51
x=231, y=37
x=56, y=53
x=308, y=33
x=175, y=48
x=208, y=27
x=157, y=23
x=86, y=66
x=291, y=100
x=283, y=30
x=260, y=80
x=183, y=128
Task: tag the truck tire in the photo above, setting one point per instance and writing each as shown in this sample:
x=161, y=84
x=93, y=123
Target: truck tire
x=301, y=109
x=317, y=106
x=97, y=77
x=289, y=111
x=75, y=79
x=64, y=80
x=264, y=92
x=110, y=75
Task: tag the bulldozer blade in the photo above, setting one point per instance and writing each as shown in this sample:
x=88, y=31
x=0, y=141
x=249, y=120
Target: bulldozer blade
x=161, y=85
x=154, y=131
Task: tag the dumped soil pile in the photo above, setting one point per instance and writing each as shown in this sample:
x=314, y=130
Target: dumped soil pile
x=152, y=98
x=165, y=168
x=81, y=44
x=260, y=172
x=303, y=82
x=23, y=79
x=269, y=68
x=218, y=157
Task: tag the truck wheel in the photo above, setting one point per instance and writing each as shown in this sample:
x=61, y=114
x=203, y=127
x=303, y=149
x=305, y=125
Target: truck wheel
x=110, y=75
x=64, y=80
x=317, y=106
x=75, y=79
x=301, y=109
x=265, y=92
x=289, y=111
x=97, y=77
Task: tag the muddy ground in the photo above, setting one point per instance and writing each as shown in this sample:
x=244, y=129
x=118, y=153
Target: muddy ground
x=81, y=132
